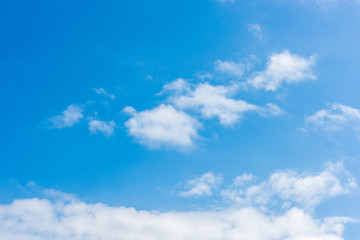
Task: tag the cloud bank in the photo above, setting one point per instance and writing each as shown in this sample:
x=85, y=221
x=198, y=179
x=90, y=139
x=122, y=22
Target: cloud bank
x=40, y=219
x=66, y=217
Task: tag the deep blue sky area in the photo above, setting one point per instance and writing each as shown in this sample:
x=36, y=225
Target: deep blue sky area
x=102, y=56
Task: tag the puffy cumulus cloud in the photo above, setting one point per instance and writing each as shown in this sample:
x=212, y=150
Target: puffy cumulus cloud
x=256, y=29
x=41, y=219
x=230, y=68
x=70, y=116
x=106, y=128
x=162, y=126
x=337, y=117
x=101, y=91
x=216, y=102
x=305, y=190
x=202, y=186
x=283, y=68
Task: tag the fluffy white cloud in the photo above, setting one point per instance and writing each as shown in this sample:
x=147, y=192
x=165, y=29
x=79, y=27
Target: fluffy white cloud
x=40, y=219
x=215, y=101
x=202, y=186
x=306, y=190
x=256, y=29
x=337, y=117
x=162, y=126
x=70, y=116
x=283, y=68
x=101, y=91
x=106, y=128
x=230, y=68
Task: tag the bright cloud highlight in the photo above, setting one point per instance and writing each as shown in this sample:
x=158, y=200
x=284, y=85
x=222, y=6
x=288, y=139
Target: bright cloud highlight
x=283, y=68
x=162, y=126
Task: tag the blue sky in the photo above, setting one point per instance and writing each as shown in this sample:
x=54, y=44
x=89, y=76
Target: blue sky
x=182, y=110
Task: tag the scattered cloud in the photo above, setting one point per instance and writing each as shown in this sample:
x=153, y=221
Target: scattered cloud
x=101, y=91
x=283, y=68
x=70, y=116
x=215, y=101
x=162, y=126
x=305, y=190
x=256, y=29
x=202, y=186
x=106, y=128
x=230, y=68
x=336, y=118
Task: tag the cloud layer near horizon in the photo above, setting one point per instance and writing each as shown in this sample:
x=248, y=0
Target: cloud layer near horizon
x=66, y=217
x=41, y=219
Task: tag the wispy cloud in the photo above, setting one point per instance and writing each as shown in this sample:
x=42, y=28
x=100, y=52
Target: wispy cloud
x=202, y=186
x=70, y=116
x=283, y=68
x=106, y=128
x=230, y=68
x=336, y=118
x=256, y=29
x=162, y=126
x=101, y=91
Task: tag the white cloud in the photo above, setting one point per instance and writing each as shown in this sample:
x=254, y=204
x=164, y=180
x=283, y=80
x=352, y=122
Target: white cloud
x=162, y=126
x=106, y=128
x=230, y=68
x=256, y=29
x=40, y=219
x=283, y=68
x=305, y=190
x=66, y=217
x=215, y=101
x=202, y=186
x=70, y=116
x=337, y=117
x=101, y=91
x=177, y=86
